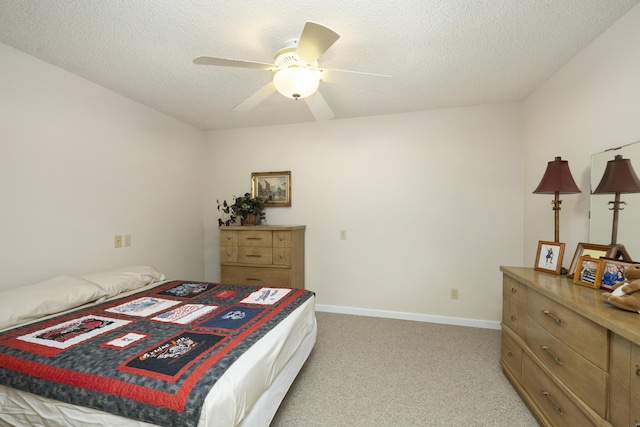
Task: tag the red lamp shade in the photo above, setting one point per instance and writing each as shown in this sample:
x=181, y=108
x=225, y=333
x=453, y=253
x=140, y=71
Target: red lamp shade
x=557, y=178
x=619, y=177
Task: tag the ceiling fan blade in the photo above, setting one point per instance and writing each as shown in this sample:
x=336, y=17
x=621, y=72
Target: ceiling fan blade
x=207, y=60
x=255, y=99
x=373, y=82
x=319, y=107
x=314, y=41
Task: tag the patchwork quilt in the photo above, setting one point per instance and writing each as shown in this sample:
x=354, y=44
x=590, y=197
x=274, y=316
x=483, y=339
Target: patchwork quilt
x=152, y=356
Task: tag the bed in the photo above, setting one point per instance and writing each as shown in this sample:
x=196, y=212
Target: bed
x=130, y=348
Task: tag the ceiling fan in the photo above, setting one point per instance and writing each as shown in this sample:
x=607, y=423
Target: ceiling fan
x=297, y=74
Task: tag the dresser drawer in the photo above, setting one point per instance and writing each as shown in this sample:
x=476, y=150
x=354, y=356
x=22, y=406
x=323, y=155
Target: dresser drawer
x=634, y=377
x=511, y=355
x=514, y=317
x=228, y=238
x=634, y=410
x=282, y=256
x=618, y=403
x=555, y=404
x=513, y=291
x=228, y=254
x=254, y=255
x=262, y=276
x=281, y=239
x=624, y=406
x=584, y=336
x=625, y=363
x=587, y=381
x=255, y=238
x=621, y=359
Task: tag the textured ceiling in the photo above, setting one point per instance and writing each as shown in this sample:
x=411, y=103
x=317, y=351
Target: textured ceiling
x=440, y=53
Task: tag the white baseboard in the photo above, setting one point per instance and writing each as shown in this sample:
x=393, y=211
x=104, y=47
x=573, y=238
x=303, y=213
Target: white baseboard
x=428, y=318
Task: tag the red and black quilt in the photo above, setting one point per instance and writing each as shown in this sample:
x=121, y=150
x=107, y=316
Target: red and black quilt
x=152, y=356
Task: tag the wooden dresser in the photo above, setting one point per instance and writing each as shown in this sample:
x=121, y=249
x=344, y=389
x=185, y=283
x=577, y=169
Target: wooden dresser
x=574, y=359
x=262, y=255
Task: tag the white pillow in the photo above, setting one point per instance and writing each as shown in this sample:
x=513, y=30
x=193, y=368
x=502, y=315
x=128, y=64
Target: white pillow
x=125, y=279
x=41, y=299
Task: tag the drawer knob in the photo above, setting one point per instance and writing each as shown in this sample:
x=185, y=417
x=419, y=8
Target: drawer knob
x=509, y=353
x=513, y=318
x=514, y=290
x=550, y=353
x=552, y=316
x=254, y=256
x=229, y=253
x=281, y=256
x=557, y=408
x=638, y=370
x=282, y=239
x=228, y=237
x=254, y=238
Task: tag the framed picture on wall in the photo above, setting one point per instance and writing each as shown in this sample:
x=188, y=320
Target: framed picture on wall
x=613, y=272
x=273, y=187
x=549, y=257
x=594, y=251
x=588, y=272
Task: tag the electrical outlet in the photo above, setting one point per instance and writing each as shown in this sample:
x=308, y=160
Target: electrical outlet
x=127, y=239
x=343, y=234
x=454, y=293
x=117, y=241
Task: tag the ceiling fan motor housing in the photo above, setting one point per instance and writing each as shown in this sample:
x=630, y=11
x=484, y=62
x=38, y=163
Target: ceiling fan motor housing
x=287, y=56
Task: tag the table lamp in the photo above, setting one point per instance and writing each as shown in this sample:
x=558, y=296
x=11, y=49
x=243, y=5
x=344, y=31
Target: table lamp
x=619, y=177
x=557, y=179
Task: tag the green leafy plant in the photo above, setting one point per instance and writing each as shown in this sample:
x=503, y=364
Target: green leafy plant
x=240, y=208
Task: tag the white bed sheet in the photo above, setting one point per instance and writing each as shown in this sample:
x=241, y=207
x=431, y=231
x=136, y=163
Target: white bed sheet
x=254, y=378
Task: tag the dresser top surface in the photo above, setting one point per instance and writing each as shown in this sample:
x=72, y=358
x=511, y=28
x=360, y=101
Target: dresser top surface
x=585, y=301
x=262, y=227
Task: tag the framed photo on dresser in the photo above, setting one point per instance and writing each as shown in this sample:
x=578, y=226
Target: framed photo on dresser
x=612, y=272
x=594, y=251
x=588, y=272
x=549, y=257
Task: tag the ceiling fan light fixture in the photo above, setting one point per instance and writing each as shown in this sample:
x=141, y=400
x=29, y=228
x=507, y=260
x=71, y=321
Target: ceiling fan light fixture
x=297, y=82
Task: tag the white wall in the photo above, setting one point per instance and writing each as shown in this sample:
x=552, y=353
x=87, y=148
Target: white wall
x=430, y=201
x=79, y=164
x=588, y=106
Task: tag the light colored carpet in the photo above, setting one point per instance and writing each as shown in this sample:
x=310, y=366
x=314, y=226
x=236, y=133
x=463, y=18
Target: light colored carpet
x=367, y=371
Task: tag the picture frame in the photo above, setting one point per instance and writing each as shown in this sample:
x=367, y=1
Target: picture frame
x=549, y=257
x=612, y=272
x=588, y=271
x=273, y=187
x=593, y=250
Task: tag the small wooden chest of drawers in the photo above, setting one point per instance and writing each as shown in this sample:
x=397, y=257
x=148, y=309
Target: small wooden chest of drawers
x=574, y=359
x=262, y=255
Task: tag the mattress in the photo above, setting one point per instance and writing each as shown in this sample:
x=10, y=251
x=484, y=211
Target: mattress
x=248, y=394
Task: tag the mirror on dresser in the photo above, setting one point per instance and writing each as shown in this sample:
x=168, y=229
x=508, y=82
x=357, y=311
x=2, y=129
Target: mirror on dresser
x=601, y=217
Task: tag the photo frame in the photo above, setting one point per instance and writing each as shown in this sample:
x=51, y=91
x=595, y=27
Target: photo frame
x=588, y=272
x=593, y=250
x=273, y=187
x=612, y=272
x=549, y=257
